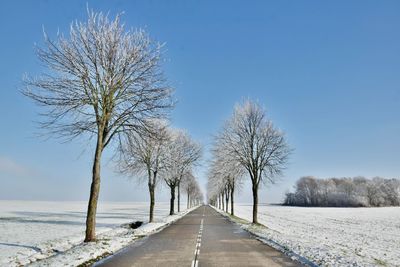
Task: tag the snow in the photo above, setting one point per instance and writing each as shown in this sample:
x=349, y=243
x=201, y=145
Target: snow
x=330, y=236
x=54, y=231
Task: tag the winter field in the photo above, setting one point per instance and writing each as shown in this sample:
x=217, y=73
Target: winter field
x=32, y=230
x=332, y=236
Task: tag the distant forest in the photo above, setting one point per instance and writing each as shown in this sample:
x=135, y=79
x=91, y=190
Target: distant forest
x=344, y=192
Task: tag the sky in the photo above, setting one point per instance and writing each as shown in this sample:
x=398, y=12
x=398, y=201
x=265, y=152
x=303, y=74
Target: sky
x=327, y=73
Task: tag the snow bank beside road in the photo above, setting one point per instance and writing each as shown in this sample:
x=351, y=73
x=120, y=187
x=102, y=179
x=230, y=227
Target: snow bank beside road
x=331, y=236
x=32, y=230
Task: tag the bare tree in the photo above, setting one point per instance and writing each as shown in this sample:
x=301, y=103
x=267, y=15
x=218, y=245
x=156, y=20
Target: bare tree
x=190, y=187
x=182, y=153
x=102, y=81
x=257, y=145
x=225, y=174
x=306, y=190
x=344, y=192
x=144, y=155
x=196, y=196
x=213, y=187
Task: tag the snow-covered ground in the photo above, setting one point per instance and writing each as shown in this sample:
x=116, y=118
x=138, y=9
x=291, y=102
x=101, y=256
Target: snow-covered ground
x=326, y=236
x=331, y=236
x=32, y=230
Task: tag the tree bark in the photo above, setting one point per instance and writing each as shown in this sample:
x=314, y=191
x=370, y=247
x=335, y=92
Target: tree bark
x=232, y=194
x=226, y=200
x=255, y=202
x=179, y=196
x=222, y=201
x=152, y=201
x=172, y=201
x=94, y=193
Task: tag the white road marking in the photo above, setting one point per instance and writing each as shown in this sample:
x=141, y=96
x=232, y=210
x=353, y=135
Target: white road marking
x=195, y=262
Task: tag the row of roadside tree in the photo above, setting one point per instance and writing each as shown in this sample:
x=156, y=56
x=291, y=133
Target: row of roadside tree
x=249, y=147
x=163, y=152
x=105, y=82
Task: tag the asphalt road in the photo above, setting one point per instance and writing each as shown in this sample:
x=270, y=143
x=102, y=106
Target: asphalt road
x=201, y=238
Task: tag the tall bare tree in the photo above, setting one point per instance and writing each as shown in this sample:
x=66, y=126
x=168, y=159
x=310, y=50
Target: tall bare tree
x=102, y=80
x=257, y=145
x=183, y=153
x=144, y=155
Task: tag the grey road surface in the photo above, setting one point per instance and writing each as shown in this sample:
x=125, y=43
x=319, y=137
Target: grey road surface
x=201, y=238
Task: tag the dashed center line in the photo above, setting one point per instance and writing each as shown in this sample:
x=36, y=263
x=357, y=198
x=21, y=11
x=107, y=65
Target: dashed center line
x=195, y=262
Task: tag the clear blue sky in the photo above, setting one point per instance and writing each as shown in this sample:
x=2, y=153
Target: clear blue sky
x=328, y=73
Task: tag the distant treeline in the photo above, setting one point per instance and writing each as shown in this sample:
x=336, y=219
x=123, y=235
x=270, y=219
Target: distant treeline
x=344, y=192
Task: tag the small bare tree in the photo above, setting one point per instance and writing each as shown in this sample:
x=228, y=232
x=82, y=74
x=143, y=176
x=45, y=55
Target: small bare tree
x=103, y=81
x=229, y=170
x=214, y=186
x=182, y=153
x=144, y=155
x=190, y=186
x=257, y=145
x=197, y=196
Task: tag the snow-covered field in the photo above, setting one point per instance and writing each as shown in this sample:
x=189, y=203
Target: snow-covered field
x=326, y=236
x=332, y=236
x=31, y=230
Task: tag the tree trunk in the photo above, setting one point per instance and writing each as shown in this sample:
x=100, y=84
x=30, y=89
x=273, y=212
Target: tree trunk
x=232, y=194
x=222, y=201
x=94, y=193
x=152, y=201
x=172, y=201
x=179, y=196
x=188, y=201
x=226, y=200
x=255, y=202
